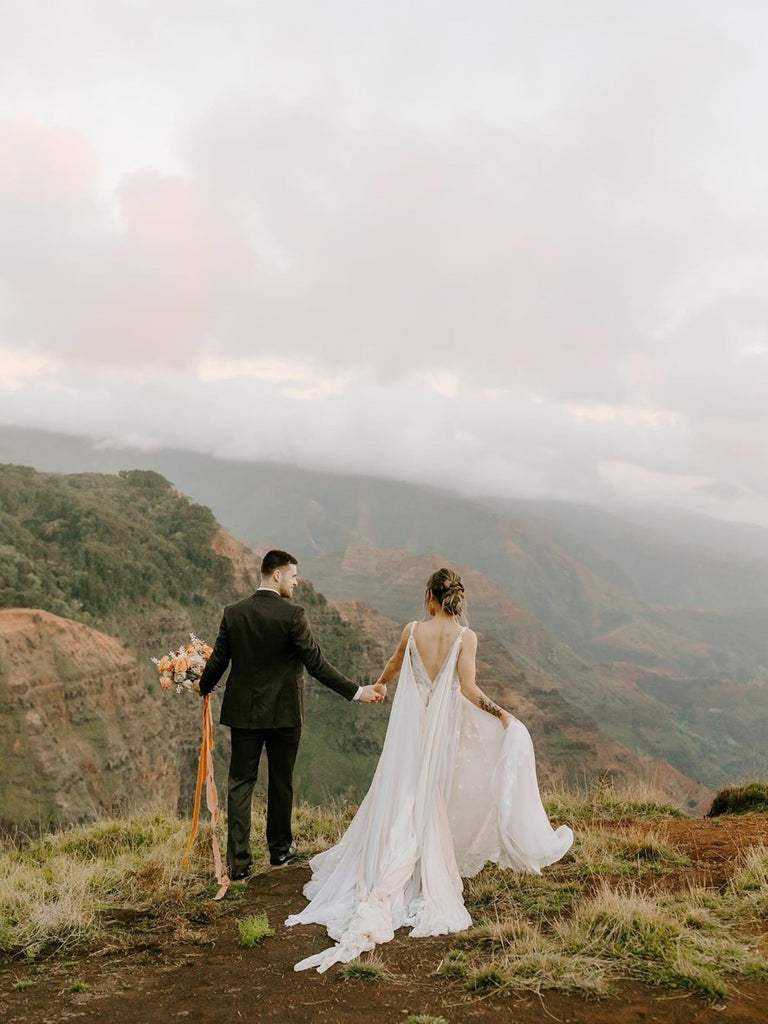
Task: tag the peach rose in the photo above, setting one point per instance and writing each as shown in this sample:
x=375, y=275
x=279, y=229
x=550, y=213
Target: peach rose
x=165, y=664
x=166, y=681
x=180, y=664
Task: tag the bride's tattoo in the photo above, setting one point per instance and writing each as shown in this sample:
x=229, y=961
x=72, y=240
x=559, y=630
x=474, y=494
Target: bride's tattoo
x=490, y=707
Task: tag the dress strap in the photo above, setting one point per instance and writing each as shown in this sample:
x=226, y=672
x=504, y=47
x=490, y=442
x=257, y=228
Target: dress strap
x=413, y=626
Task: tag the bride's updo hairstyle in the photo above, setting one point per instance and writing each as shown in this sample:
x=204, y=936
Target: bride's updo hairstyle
x=447, y=589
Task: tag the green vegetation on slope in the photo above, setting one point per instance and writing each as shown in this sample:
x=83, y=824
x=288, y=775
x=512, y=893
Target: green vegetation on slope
x=129, y=556
x=91, y=547
x=681, y=678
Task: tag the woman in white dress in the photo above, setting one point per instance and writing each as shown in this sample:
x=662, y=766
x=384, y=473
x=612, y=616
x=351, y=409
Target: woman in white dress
x=455, y=787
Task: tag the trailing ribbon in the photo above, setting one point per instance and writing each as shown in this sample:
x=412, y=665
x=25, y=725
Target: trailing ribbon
x=205, y=772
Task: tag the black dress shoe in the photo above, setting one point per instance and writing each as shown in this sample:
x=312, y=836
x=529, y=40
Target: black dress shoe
x=284, y=858
x=242, y=875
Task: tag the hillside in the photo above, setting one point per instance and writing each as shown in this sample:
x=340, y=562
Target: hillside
x=658, y=683
x=669, y=558
x=663, y=615
x=126, y=567
x=79, y=728
x=580, y=570
x=129, y=557
x=659, y=556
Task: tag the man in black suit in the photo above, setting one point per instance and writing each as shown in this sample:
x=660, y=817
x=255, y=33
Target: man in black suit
x=269, y=642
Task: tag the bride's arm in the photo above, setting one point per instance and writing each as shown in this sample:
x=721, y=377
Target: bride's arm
x=393, y=666
x=470, y=689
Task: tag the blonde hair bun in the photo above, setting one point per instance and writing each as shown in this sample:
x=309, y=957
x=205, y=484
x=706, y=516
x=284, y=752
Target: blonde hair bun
x=447, y=589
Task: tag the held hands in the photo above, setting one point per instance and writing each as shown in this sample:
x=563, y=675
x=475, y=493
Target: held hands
x=373, y=694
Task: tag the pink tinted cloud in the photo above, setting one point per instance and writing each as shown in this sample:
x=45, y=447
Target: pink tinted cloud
x=82, y=287
x=497, y=255
x=293, y=233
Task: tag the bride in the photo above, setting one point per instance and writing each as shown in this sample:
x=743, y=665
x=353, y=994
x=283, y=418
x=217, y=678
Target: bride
x=455, y=787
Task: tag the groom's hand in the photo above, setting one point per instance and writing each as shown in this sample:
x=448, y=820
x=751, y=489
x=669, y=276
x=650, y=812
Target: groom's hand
x=370, y=695
x=381, y=688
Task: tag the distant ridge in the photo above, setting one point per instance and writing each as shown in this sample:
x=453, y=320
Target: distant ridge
x=139, y=566
x=665, y=643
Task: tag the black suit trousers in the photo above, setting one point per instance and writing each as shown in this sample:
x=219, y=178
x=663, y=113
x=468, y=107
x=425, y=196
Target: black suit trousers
x=247, y=745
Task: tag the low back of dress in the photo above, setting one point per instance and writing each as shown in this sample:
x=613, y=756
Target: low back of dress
x=426, y=685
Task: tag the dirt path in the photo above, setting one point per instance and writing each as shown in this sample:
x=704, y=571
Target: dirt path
x=197, y=971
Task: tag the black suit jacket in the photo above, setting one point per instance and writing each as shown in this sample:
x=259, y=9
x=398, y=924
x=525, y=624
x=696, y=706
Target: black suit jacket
x=269, y=642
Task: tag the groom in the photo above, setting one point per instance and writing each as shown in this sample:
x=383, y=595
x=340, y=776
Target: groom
x=269, y=642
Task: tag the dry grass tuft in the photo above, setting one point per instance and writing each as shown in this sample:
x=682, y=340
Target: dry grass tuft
x=609, y=799
x=71, y=887
x=651, y=940
x=371, y=970
x=515, y=955
x=671, y=941
x=315, y=829
x=632, y=851
x=749, y=884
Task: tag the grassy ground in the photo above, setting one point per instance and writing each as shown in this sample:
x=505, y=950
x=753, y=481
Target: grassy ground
x=621, y=905
x=609, y=910
x=71, y=887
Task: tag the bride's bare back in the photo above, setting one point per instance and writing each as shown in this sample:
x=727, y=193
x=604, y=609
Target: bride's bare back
x=434, y=640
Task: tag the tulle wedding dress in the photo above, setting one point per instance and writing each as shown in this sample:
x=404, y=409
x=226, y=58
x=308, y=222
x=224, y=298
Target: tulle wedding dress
x=453, y=789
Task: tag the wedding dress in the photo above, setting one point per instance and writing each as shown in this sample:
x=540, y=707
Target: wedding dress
x=453, y=789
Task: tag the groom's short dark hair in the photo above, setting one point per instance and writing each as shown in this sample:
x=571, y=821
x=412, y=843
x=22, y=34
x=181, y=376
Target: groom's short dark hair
x=275, y=560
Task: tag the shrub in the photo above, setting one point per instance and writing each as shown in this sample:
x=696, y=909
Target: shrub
x=749, y=799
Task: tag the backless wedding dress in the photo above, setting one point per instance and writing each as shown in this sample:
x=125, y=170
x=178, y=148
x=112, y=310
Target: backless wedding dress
x=453, y=789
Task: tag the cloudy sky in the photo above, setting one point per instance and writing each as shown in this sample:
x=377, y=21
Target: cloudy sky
x=508, y=247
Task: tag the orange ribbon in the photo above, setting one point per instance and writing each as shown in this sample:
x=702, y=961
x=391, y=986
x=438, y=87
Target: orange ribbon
x=205, y=773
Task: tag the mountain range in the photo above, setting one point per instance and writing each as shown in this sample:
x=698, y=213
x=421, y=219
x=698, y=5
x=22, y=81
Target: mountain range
x=643, y=627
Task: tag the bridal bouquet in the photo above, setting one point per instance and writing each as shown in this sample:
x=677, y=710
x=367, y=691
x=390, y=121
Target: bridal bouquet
x=182, y=668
